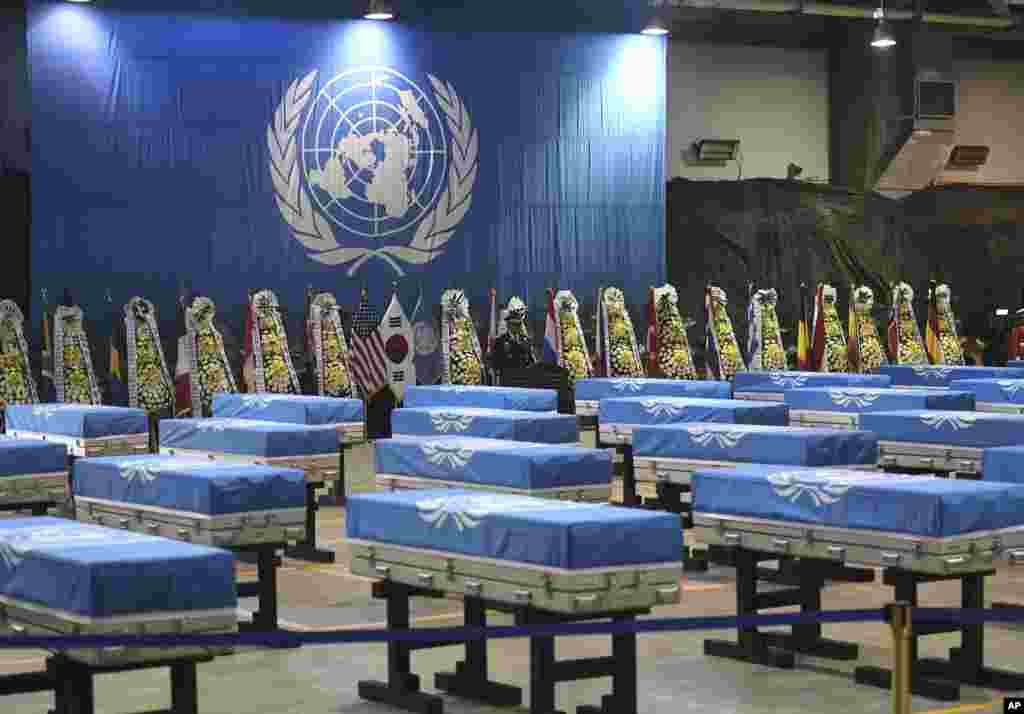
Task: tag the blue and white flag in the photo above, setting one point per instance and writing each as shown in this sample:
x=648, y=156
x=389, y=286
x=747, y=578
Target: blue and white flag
x=552, y=334
x=426, y=343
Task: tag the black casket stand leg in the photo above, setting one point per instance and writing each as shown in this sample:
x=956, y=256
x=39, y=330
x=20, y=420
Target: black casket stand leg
x=807, y=639
x=546, y=671
x=967, y=662
x=307, y=548
x=402, y=690
x=921, y=682
x=339, y=484
x=72, y=683
x=776, y=649
x=469, y=680
x=670, y=498
x=750, y=645
x=265, y=619
x=629, y=494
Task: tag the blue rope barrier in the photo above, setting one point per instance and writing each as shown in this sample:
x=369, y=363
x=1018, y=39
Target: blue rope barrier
x=434, y=634
x=462, y=634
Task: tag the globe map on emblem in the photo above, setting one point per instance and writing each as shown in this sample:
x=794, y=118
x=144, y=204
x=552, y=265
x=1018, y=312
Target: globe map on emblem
x=374, y=152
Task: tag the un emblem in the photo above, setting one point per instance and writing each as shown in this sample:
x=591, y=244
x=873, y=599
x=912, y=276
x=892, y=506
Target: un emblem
x=375, y=157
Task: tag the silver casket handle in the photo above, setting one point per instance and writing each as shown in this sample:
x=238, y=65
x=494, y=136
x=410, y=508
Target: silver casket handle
x=891, y=558
x=955, y=560
x=668, y=594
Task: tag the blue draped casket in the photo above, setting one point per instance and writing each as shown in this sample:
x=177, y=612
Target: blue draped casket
x=314, y=449
x=836, y=498
x=543, y=427
x=1004, y=464
x=618, y=418
x=746, y=443
x=995, y=394
x=552, y=470
x=517, y=529
x=99, y=572
x=347, y=415
x=944, y=376
x=85, y=430
x=948, y=428
x=941, y=441
x=514, y=398
x=220, y=503
x=772, y=386
x=591, y=391
x=554, y=555
x=842, y=406
x=212, y=488
x=32, y=471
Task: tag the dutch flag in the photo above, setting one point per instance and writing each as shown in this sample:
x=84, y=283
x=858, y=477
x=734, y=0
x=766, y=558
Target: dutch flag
x=552, y=335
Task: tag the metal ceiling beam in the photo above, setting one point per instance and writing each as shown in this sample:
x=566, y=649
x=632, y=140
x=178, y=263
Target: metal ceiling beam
x=850, y=12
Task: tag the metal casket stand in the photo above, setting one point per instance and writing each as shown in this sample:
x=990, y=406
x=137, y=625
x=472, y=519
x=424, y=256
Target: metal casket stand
x=469, y=680
x=808, y=578
x=72, y=683
x=937, y=678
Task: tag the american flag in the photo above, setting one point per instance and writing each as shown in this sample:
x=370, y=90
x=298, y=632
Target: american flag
x=368, y=363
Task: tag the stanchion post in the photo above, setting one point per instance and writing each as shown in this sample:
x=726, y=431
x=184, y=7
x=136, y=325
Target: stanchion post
x=898, y=616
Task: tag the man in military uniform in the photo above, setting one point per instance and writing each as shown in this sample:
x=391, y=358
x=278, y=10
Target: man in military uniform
x=514, y=348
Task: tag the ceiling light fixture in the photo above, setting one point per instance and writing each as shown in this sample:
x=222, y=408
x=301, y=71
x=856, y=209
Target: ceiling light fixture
x=380, y=10
x=656, y=27
x=882, y=38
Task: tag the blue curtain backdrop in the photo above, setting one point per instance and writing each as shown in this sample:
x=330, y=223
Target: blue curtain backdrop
x=152, y=161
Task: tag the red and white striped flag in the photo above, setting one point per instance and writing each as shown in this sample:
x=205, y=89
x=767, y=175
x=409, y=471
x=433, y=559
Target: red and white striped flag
x=369, y=366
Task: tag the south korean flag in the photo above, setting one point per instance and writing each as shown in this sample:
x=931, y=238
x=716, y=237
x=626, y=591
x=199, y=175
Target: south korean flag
x=397, y=334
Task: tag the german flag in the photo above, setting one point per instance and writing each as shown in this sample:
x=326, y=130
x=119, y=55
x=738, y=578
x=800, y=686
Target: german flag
x=47, y=388
x=853, y=335
x=803, y=339
x=931, y=335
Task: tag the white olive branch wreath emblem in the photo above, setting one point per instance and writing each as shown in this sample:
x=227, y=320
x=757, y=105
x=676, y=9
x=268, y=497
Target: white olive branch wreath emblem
x=314, y=231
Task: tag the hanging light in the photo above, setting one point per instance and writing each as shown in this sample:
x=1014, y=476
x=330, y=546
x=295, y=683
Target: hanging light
x=380, y=10
x=656, y=27
x=882, y=39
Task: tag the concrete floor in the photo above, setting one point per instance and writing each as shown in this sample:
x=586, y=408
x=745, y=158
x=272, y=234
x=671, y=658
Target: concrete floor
x=674, y=674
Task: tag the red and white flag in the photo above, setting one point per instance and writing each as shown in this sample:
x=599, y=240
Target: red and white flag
x=183, y=379
x=397, y=335
x=369, y=363
x=183, y=367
